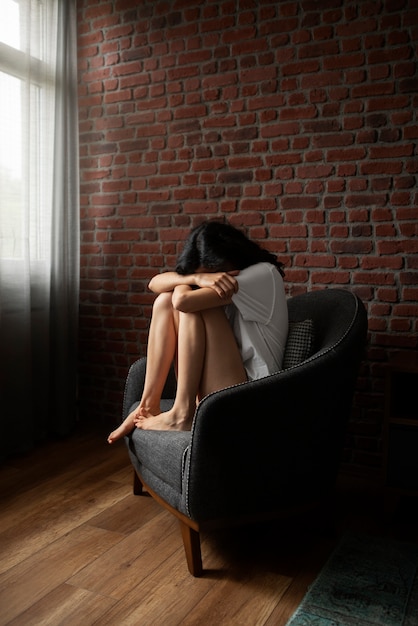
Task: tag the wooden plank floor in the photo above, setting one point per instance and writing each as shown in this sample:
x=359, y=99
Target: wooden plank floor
x=78, y=548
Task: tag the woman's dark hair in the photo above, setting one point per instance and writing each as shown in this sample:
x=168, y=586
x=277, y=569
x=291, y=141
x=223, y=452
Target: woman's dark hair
x=219, y=246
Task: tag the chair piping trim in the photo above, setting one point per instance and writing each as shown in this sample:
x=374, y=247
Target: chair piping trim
x=125, y=392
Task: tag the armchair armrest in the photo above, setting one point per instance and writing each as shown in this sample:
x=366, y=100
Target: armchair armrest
x=276, y=437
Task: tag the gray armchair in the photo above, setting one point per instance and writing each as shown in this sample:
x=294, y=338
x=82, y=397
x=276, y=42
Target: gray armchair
x=261, y=448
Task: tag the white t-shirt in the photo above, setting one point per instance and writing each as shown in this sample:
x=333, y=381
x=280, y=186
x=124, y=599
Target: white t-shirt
x=259, y=319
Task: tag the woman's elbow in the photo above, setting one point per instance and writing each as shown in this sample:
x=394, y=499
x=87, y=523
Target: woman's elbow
x=151, y=285
x=179, y=302
x=182, y=301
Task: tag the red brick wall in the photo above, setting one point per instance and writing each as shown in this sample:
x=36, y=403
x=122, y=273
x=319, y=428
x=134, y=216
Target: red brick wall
x=295, y=120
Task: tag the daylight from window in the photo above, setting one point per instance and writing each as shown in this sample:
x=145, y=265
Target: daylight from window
x=10, y=87
x=10, y=137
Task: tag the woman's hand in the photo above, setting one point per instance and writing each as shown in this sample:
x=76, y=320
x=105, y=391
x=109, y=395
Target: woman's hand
x=223, y=283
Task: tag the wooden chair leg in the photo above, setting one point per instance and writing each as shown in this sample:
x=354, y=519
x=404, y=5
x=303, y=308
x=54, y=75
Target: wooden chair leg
x=191, y=536
x=137, y=485
x=191, y=542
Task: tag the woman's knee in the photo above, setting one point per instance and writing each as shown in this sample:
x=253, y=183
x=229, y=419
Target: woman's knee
x=163, y=302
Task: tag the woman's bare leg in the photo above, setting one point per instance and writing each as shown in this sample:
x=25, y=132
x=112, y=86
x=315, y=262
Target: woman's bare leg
x=161, y=351
x=190, y=357
x=223, y=365
x=208, y=360
x=162, y=345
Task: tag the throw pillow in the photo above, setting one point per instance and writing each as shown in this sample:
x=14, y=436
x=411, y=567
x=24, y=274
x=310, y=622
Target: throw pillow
x=299, y=345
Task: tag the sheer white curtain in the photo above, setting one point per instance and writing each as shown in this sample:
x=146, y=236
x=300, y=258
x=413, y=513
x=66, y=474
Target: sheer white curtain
x=39, y=221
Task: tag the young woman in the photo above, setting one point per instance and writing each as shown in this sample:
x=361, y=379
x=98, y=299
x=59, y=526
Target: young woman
x=221, y=317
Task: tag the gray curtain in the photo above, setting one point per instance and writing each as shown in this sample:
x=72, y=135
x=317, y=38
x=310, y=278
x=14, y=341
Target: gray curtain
x=39, y=227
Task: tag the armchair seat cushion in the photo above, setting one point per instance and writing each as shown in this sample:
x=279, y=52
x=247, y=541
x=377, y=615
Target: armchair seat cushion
x=162, y=455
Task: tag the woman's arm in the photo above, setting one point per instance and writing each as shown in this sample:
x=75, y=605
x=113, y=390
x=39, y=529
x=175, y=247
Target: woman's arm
x=191, y=300
x=223, y=284
x=167, y=281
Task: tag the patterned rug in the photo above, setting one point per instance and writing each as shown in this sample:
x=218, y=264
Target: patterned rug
x=366, y=581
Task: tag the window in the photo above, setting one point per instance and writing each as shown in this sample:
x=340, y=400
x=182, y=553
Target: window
x=27, y=85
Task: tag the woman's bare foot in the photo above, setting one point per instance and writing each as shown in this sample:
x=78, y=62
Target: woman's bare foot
x=169, y=420
x=124, y=429
x=129, y=424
